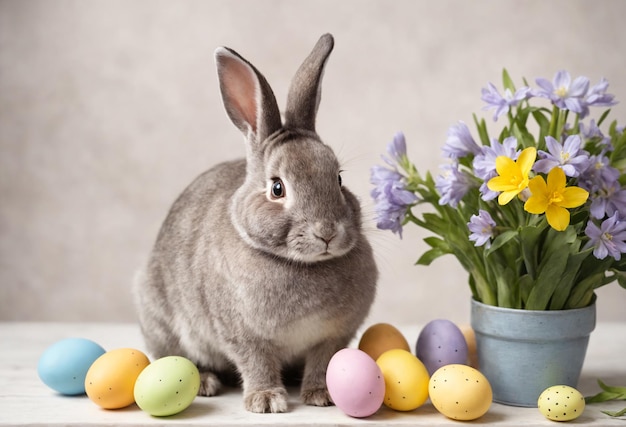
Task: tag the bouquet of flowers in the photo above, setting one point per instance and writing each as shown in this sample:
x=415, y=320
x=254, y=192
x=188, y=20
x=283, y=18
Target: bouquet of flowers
x=537, y=214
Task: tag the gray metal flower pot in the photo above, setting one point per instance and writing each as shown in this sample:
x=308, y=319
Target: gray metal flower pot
x=523, y=352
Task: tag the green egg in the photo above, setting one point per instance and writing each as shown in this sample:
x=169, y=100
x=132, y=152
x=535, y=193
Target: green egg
x=167, y=386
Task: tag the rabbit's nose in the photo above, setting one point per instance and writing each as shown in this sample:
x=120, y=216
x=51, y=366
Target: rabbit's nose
x=325, y=232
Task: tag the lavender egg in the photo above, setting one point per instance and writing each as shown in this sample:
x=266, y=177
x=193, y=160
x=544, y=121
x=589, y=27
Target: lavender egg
x=441, y=343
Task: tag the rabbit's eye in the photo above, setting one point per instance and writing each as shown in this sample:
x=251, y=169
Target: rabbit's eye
x=339, y=180
x=278, y=188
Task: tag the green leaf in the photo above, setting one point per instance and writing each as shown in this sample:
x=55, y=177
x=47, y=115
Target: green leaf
x=603, y=116
x=525, y=285
x=429, y=256
x=615, y=413
x=603, y=396
x=530, y=237
x=481, y=127
x=544, y=127
x=608, y=393
x=507, y=82
x=507, y=291
x=567, y=281
x=501, y=240
x=613, y=389
x=551, y=268
x=437, y=243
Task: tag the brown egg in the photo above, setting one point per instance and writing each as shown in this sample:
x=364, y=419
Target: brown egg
x=470, y=338
x=381, y=337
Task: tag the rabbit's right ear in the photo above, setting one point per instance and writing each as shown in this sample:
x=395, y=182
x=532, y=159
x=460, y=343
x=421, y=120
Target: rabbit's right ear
x=248, y=98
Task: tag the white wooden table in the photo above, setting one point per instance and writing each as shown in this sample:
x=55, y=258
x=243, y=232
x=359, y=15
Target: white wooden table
x=25, y=400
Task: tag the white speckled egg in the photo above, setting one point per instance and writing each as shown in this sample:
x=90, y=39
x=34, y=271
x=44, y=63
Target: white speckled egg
x=561, y=403
x=460, y=392
x=355, y=383
x=167, y=386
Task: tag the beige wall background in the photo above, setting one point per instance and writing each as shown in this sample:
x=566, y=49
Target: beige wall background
x=108, y=109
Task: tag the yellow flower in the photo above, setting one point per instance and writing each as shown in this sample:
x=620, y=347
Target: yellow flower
x=512, y=176
x=553, y=198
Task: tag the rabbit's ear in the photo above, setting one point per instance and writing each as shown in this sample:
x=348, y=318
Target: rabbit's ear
x=248, y=98
x=306, y=87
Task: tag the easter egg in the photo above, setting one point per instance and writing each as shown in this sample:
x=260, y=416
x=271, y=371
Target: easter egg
x=110, y=381
x=167, y=386
x=470, y=339
x=561, y=403
x=381, y=337
x=460, y=392
x=406, y=380
x=441, y=343
x=64, y=365
x=355, y=383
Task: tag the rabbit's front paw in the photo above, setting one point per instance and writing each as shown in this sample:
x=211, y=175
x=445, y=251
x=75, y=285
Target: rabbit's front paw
x=273, y=400
x=316, y=397
x=209, y=384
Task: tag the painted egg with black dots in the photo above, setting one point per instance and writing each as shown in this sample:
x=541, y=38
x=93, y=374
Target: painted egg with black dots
x=460, y=392
x=561, y=403
x=167, y=386
x=355, y=383
x=406, y=380
x=110, y=380
x=441, y=343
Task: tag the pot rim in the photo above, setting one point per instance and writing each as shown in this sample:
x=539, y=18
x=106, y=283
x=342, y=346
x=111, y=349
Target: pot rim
x=546, y=312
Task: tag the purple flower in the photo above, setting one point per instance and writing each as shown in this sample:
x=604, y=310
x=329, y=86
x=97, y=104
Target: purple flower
x=598, y=174
x=452, y=185
x=391, y=197
x=597, y=96
x=502, y=104
x=593, y=132
x=608, y=239
x=481, y=226
x=484, y=164
x=459, y=142
x=569, y=156
x=564, y=93
x=609, y=199
x=396, y=149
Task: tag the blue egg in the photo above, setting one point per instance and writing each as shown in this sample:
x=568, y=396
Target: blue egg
x=441, y=343
x=64, y=365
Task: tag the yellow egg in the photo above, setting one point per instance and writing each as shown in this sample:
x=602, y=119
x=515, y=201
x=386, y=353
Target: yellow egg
x=110, y=381
x=381, y=337
x=561, y=403
x=470, y=339
x=406, y=380
x=460, y=392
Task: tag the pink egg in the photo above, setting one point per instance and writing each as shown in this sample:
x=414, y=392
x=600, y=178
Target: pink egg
x=355, y=383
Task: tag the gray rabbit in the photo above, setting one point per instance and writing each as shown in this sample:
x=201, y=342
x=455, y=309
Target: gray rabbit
x=261, y=262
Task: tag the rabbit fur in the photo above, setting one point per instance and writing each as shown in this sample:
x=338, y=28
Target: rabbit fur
x=261, y=262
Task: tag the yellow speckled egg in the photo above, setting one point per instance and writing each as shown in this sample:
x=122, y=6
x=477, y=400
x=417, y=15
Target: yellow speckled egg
x=406, y=380
x=561, y=403
x=110, y=381
x=460, y=392
x=381, y=337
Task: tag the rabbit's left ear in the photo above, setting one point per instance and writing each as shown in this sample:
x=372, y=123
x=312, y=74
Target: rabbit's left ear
x=248, y=98
x=305, y=91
